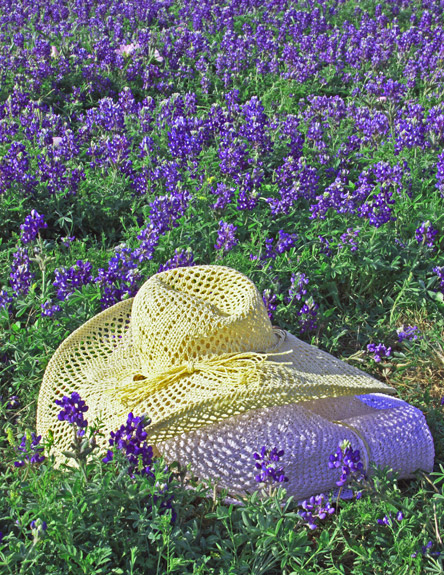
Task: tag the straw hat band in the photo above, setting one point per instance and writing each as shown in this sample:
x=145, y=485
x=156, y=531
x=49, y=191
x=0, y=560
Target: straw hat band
x=239, y=369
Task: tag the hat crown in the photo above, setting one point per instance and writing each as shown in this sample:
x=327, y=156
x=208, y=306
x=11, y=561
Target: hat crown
x=184, y=314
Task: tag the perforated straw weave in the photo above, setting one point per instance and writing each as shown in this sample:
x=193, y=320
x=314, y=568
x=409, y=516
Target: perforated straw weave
x=193, y=348
x=387, y=431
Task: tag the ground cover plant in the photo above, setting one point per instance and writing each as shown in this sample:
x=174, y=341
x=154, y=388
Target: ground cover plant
x=299, y=142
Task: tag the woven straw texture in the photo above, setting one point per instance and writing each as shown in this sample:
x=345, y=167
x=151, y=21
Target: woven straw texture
x=193, y=348
x=386, y=430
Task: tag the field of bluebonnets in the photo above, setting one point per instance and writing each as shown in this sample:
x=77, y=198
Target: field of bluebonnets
x=298, y=141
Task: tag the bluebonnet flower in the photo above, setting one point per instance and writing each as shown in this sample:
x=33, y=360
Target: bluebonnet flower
x=349, y=238
x=285, y=241
x=295, y=180
x=38, y=528
x=67, y=280
x=272, y=248
x=387, y=519
x=439, y=271
x=409, y=332
x=73, y=409
x=226, y=239
x=270, y=302
x=20, y=277
x=378, y=210
x=232, y=155
x=308, y=316
x=440, y=174
x=378, y=350
x=13, y=402
x=232, y=99
x=121, y=278
x=149, y=240
x=317, y=507
x=5, y=300
x=248, y=189
x=32, y=453
x=267, y=462
x=298, y=283
x=184, y=140
x=35, y=524
x=130, y=439
x=325, y=246
x=256, y=125
x=224, y=196
x=49, y=309
x=425, y=550
x=1, y=537
x=30, y=228
x=67, y=240
x=426, y=234
x=164, y=215
x=14, y=169
x=181, y=259
x=348, y=460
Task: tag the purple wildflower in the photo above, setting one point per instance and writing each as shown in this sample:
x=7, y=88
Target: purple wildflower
x=226, y=239
x=440, y=174
x=224, y=196
x=181, y=259
x=439, y=271
x=298, y=285
x=13, y=402
x=35, y=524
x=325, y=246
x=387, y=519
x=266, y=462
x=121, y=278
x=30, y=228
x=38, y=528
x=379, y=350
x=285, y=242
x=67, y=240
x=270, y=301
x=49, y=309
x=130, y=440
x=349, y=238
x=426, y=234
x=409, y=333
x=318, y=506
x=308, y=316
x=68, y=280
x=20, y=277
x=425, y=550
x=73, y=409
x=5, y=300
x=32, y=453
x=348, y=460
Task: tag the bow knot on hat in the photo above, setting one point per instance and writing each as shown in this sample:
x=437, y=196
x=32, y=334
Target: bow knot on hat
x=239, y=368
x=193, y=348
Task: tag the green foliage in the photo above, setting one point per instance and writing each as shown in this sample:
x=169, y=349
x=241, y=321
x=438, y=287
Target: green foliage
x=99, y=519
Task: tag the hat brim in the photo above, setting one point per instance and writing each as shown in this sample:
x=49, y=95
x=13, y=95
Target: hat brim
x=386, y=430
x=98, y=356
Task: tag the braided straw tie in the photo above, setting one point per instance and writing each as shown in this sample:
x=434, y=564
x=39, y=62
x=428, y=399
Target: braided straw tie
x=239, y=368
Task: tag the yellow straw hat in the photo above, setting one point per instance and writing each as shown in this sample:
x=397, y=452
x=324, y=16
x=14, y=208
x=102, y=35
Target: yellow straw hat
x=193, y=348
